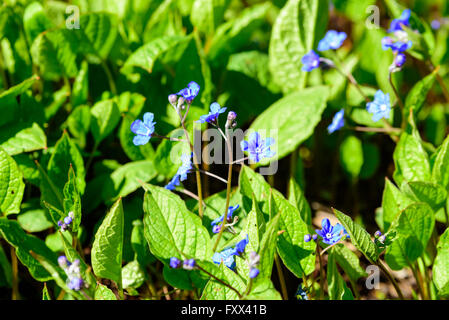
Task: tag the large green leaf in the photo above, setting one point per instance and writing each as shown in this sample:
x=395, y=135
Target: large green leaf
x=410, y=158
x=268, y=249
x=417, y=96
x=413, y=227
x=297, y=198
x=432, y=194
x=441, y=265
x=35, y=21
x=264, y=290
x=348, y=261
x=206, y=15
x=104, y=293
x=359, y=237
x=133, y=275
x=299, y=25
x=11, y=231
x=107, y=249
x=11, y=185
x=170, y=229
x=293, y=117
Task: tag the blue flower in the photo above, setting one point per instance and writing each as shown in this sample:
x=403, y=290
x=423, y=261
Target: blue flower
x=175, y=263
x=190, y=92
x=226, y=256
x=241, y=245
x=337, y=122
x=332, y=40
x=253, y=273
x=395, y=46
x=182, y=172
x=75, y=284
x=301, y=294
x=435, y=24
x=257, y=147
x=330, y=234
x=403, y=20
x=310, y=61
x=143, y=129
x=380, y=107
x=219, y=220
x=214, y=112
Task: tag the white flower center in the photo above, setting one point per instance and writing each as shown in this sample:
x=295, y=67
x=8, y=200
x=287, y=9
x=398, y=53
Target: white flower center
x=402, y=36
x=328, y=235
x=383, y=107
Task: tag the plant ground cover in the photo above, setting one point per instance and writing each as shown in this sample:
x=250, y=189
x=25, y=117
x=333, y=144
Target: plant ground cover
x=224, y=149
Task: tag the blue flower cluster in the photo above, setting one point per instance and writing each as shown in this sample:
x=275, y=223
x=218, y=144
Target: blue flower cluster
x=337, y=122
x=65, y=224
x=330, y=234
x=400, y=42
x=380, y=107
x=182, y=172
x=216, y=224
x=257, y=147
x=188, y=264
x=227, y=255
x=73, y=272
x=332, y=40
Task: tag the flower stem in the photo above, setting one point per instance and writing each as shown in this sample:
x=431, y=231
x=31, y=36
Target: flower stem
x=15, y=275
x=440, y=80
x=281, y=277
x=213, y=176
x=390, y=130
x=390, y=277
x=108, y=73
x=228, y=191
x=321, y=271
x=390, y=80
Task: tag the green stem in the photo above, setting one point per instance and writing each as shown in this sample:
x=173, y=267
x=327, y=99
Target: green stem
x=418, y=280
x=108, y=73
x=228, y=192
x=281, y=277
x=321, y=272
x=392, y=280
x=15, y=275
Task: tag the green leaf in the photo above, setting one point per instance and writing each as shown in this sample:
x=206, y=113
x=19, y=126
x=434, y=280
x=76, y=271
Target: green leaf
x=234, y=34
x=393, y=202
x=297, y=198
x=105, y=117
x=139, y=244
x=294, y=118
x=104, y=293
x=351, y=156
x=170, y=229
x=214, y=290
x=34, y=220
x=298, y=27
x=97, y=32
x=5, y=270
x=297, y=255
x=133, y=275
x=167, y=159
x=349, y=262
x=80, y=87
x=417, y=96
x=432, y=194
x=72, y=200
x=78, y=124
x=440, y=169
x=146, y=56
x=268, y=249
x=35, y=21
x=45, y=293
x=255, y=226
x=336, y=285
x=440, y=269
x=250, y=184
x=206, y=15
x=107, y=248
x=65, y=155
x=11, y=185
x=54, y=52
x=29, y=139
x=410, y=158
x=264, y=290
x=359, y=237
x=127, y=179
x=11, y=231
x=413, y=226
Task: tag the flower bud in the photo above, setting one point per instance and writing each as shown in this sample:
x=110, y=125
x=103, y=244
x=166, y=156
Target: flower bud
x=377, y=234
x=254, y=258
x=307, y=238
x=72, y=214
x=173, y=99
x=189, y=264
x=253, y=273
x=216, y=228
x=399, y=60
x=231, y=123
x=62, y=261
x=67, y=220
x=175, y=263
x=180, y=104
x=314, y=237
